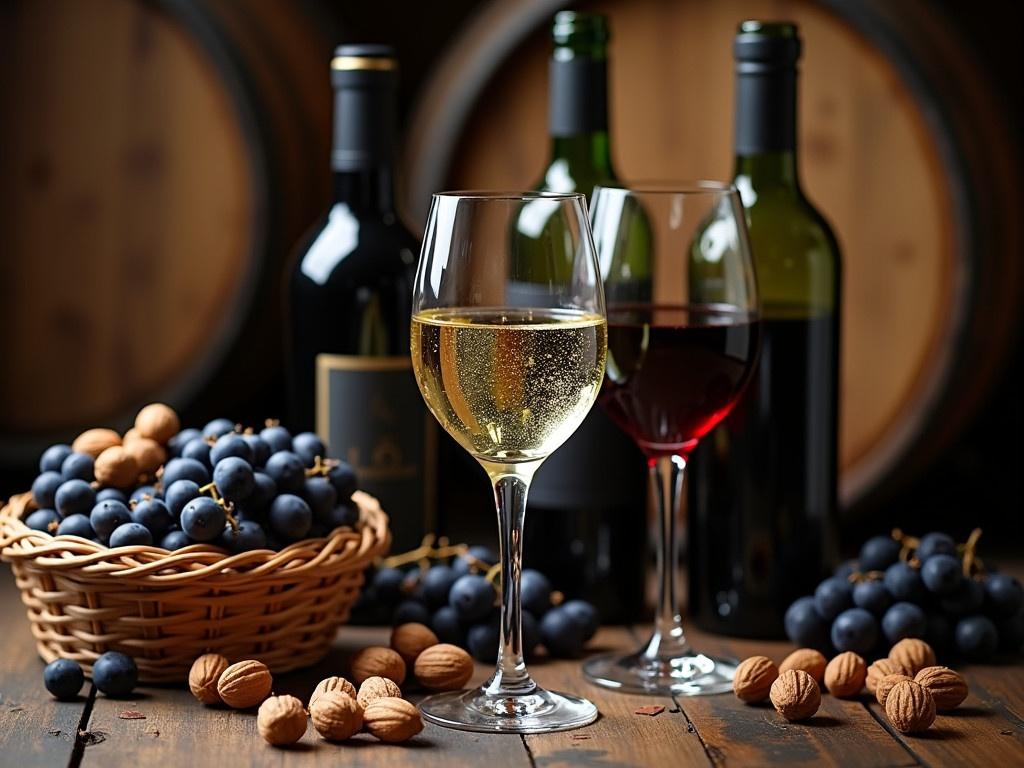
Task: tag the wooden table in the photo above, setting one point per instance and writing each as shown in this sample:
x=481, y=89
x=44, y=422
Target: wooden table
x=987, y=730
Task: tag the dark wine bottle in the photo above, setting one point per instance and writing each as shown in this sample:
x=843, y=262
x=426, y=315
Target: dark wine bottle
x=587, y=520
x=349, y=304
x=762, y=495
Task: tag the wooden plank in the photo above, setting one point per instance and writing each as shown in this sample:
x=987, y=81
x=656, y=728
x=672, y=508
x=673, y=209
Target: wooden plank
x=1000, y=688
x=620, y=737
x=35, y=730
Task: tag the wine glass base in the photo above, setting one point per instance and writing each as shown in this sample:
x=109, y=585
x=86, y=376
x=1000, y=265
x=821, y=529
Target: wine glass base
x=692, y=675
x=538, y=712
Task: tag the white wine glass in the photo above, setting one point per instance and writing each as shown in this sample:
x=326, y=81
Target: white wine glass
x=508, y=346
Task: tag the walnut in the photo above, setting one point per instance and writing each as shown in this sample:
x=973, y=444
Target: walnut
x=377, y=662
x=377, y=688
x=245, y=684
x=754, y=678
x=281, y=720
x=795, y=695
x=148, y=454
x=879, y=669
x=807, y=659
x=116, y=467
x=443, y=667
x=913, y=655
x=203, y=677
x=392, y=719
x=410, y=640
x=95, y=441
x=332, y=684
x=845, y=674
x=909, y=707
x=947, y=687
x=158, y=422
x=885, y=685
x=336, y=716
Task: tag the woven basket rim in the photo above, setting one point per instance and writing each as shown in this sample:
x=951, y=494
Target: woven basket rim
x=154, y=566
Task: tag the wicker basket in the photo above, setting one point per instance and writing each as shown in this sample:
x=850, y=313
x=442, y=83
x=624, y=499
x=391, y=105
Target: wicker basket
x=166, y=608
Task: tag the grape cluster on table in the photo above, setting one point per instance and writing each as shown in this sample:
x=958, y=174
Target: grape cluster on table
x=239, y=490
x=459, y=603
x=892, y=591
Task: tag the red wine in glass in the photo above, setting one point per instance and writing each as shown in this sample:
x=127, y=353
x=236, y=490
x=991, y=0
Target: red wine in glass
x=674, y=372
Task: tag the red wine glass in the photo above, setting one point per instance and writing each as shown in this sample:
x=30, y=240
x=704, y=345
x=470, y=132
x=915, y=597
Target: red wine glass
x=683, y=337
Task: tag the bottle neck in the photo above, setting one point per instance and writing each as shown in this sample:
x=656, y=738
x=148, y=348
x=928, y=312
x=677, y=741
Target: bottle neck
x=366, y=192
x=768, y=169
x=578, y=116
x=765, y=130
x=585, y=154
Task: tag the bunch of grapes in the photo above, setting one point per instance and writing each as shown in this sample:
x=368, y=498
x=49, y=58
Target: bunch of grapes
x=452, y=590
x=901, y=586
x=239, y=490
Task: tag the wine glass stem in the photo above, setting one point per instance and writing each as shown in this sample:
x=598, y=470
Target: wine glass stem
x=666, y=476
x=510, y=490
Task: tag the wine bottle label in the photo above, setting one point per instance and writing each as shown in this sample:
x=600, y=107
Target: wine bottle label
x=370, y=413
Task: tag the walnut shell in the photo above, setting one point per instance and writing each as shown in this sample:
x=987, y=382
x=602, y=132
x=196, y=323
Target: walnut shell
x=947, y=687
x=885, y=685
x=336, y=716
x=443, y=667
x=879, y=669
x=130, y=437
x=845, y=674
x=410, y=640
x=332, y=684
x=158, y=422
x=392, y=719
x=909, y=707
x=913, y=655
x=753, y=679
x=374, y=688
x=245, y=684
x=795, y=695
x=148, y=454
x=95, y=441
x=378, y=662
x=116, y=467
x=809, y=660
x=203, y=677
x=281, y=720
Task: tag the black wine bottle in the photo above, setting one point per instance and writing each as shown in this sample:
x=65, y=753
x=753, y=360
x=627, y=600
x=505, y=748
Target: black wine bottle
x=587, y=519
x=349, y=302
x=762, y=495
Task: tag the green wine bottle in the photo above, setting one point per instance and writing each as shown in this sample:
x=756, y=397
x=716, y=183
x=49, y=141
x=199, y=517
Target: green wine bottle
x=762, y=498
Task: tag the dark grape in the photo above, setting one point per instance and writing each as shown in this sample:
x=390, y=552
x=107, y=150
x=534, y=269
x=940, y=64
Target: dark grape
x=177, y=443
x=1003, y=596
x=111, y=494
x=482, y=553
x=854, y=630
x=966, y=598
x=74, y=497
x=202, y=519
x=308, y=446
x=482, y=640
x=154, y=515
x=63, y=678
x=287, y=471
x=289, y=517
x=317, y=530
x=447, y=627
x=940, y=631
x=344, y=480
x=832, y=597
x=106, y=516
x=185, y=469
x=43, y=520
x=562, y=633
x=411, y=586
x=218, y=427
x=941, y=574
x=178, y=494
x=531, y=633
x=248, y=536
x=131, y=534
x=76, y=525
x=44, y=489
x=586, y=614
x=78, y=466
x=935, y=544
x=846, y=569
x=230, y=446
x=260, y=449
x=535, y=591
x=277, y=437
x=976, y=637
x=341, y=515
x=387, y=583
x=872, y=596
x=53, y=457
x=878, y=553
x=115, y=674
x=903, y=620
x=904, y=583
x=1011, y=633
x=437, y=583
x=409, y=611
x=264, y=490
x=142, y=492
x=804, y=625
x=472, y=596
x=234, y=478
x=175, y=540
x=199, y=450
x=321, y=497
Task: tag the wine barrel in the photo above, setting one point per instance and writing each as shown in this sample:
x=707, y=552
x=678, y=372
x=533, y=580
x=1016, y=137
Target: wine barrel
x=160, y=158
x=902, y=147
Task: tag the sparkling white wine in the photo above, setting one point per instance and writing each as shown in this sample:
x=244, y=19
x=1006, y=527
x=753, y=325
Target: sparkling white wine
x=509, y=384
